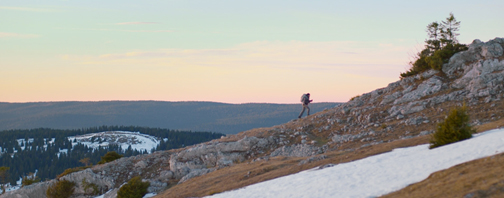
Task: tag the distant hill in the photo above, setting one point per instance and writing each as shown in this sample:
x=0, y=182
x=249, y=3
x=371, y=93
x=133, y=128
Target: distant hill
x=195, y=116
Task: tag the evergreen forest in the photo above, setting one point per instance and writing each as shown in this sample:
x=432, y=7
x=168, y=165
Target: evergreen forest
x=40, y=150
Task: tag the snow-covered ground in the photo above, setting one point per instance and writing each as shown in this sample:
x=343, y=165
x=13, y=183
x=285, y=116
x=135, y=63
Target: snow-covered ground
x=18, y=182
x=125, y=139
x=148, y=195
x=136, y=140
x=376, y=175
x=22, y=144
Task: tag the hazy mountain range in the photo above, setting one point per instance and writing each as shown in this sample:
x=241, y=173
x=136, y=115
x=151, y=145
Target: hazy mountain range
x=195, y=116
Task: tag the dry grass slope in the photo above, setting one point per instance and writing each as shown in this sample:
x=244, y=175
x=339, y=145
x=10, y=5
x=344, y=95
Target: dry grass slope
x=475, y=179
x=247, y=173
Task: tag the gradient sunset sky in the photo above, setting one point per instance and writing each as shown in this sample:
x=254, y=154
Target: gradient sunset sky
x=219, y=50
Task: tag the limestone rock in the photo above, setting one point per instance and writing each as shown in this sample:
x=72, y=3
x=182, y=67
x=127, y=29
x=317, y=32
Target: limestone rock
x=141, y=165
x=195, y=173
x=312, y=159
x=477, y=51
x=428, y=87
x=298, y=150
x=156, y=186
x=111, y=194
x=31, y=191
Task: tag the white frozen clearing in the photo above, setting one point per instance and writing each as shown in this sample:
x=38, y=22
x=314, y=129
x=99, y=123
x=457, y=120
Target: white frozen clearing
x=124, y=139
x=376, y=175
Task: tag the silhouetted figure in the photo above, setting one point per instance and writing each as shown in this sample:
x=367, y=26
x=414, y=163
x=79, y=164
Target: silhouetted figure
x=305, y=100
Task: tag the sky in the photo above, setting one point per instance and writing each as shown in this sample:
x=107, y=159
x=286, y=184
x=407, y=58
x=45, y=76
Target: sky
x=221, y=50
x=376, y=175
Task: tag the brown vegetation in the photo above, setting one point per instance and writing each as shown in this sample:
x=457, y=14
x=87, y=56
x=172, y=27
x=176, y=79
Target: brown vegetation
x=72, y=170
x=479, y=178
x=61, y=189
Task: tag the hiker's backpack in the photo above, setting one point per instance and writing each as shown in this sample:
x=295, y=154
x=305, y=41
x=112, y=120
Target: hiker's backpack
x=303, y=97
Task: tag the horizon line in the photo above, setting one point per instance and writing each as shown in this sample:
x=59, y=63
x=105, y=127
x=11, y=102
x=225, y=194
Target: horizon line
x=62, y=101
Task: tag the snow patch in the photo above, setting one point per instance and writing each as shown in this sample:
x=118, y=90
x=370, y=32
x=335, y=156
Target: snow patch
x=376, y=175
x=124, y=139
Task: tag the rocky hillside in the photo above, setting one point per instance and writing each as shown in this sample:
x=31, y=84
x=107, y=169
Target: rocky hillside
x=408, y=108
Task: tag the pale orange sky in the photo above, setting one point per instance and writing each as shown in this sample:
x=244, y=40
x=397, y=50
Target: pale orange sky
x=275, y=72
x=222, y=51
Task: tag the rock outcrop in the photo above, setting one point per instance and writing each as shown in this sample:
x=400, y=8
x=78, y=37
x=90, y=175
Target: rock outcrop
x=406, y=108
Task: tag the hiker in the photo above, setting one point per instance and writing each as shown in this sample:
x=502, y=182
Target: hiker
x=305, y=99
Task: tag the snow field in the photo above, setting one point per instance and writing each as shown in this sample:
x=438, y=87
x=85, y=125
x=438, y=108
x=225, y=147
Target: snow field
x=376, y=175
x=136, y=140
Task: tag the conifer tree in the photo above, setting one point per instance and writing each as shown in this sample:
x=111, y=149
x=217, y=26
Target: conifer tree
x=29, y=180
x=135, y=188
x=453, y=129
x=3, y=175
x=433, y=31
x=61, y=189
x=110, y=156
x=86, y=161
x=449, y=30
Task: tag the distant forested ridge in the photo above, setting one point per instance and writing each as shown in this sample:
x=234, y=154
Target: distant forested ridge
x=193, y=116
x=40, y=150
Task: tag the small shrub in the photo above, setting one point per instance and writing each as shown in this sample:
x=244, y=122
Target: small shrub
x=428, y=59
x=29, y=180
x=4, y=173
x=419, y=65
x=109, y=156
x=353, y=98
x=86, y=161
x=453, y=129
x=213, y=192
x=135, y=188
x=72, y=170
x=61, y=189
x=90, y=188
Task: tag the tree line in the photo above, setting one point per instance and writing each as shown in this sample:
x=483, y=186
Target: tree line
x=42, y=148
